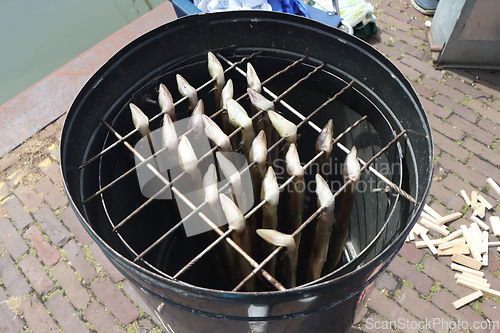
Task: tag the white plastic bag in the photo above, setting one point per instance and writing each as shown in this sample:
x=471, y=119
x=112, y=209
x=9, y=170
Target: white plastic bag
x=355, y=11
x=224, y=5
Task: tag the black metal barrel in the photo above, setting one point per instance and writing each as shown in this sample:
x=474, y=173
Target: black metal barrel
x=378, y=227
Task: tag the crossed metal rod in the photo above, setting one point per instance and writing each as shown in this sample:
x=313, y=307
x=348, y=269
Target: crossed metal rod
x=197, y=209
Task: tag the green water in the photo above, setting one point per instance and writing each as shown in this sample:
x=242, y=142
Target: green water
x=38, y=37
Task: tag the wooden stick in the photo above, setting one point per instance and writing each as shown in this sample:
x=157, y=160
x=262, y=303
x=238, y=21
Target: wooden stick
x=484, y=201
x=480, y=211
x=462, y=249
x=491, y=292
x=456, y=242
x=475, y=276
x=448, y=218
x=494, y=185
x=459, y=276
x=411, y=236
x=429, y=244
x=475, y=229
x=485, y=255
x=454, y=235
x=472, y=285
x=478, y=241
x=483, y=225
x=427, y=216
x=493, y=244
x=467, y=299
x=442, y=230
x=466, y=197
x=495, y=225
x=473, y=200
x=472, y=245
x=422, y=244
x=471, y=277
x=463, y=269
x=486, y=291
x=466, y=261
x=431, y=212
x=418, y=229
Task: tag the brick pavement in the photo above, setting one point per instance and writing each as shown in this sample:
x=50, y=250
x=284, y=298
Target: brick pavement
x=53, y=276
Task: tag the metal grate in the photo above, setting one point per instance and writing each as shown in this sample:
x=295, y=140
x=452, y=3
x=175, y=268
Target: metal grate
x=170, y=185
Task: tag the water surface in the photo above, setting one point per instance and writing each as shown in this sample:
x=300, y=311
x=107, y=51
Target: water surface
x=38, y=37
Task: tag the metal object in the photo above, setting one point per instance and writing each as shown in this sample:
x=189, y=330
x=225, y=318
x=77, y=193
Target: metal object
x=372, y=105
x=465, y=34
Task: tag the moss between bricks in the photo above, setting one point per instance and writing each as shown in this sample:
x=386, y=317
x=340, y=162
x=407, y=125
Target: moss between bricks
x=419, y=267
x=477, y=307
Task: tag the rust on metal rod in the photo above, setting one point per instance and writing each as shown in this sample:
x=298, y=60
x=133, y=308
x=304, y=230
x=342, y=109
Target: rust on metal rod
x=214, y=148
x=212, y=116
x=268, y=151
x=281, y=188
x=125, y=137
x=318, y=211
x=202, y=253
x=373, y=170
x=245, y=255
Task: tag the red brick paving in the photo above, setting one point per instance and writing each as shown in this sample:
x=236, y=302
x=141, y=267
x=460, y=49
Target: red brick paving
x=36, y=316
x=116, y=302
x=77, y=258
x=14, y=208
x=12, y=278
x=98, y=317
x=12, y=241
x=28, y=197
x=68, y=280
x=70, y=220
x=51, y=194
x=56, y=231
x=33, y=269
x=9, y=322
x=423, y=309
x=65, y=314
x=463, y=108
x=105, y=263
x=45, y=250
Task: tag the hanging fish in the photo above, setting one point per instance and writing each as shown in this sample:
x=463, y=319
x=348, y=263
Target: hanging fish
x=285, y=128
x=296, y=195
x=227, y=93
x=259, y=102
x=253, y=80
x=195, y=123
x=216, y=135
x=166, y=102
x=223, y=255
x=323, y=229
x=233, y=176
x=277, y=238
x=240, y=236
x=324, y=144
x=271, y=194
x=186, y=90
x=189, y=163
x=140, y=120
x=258, y=154
x=351, y=172
x=238, y=117
x=216, y=72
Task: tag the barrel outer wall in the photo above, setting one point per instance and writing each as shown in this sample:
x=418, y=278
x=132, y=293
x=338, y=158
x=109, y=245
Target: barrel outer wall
x=208, y=307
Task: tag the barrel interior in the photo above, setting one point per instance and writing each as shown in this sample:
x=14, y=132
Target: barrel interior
x=372, y=209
